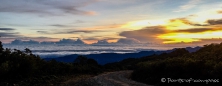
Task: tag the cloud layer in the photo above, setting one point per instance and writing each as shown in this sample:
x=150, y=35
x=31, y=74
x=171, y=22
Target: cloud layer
x=191, y=4
x=6, y=29
x=51, y=7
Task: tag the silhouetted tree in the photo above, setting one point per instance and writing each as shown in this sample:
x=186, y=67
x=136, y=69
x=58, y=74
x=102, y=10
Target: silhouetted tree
x=92, y=62
x=81, y=60
x=202, y=64
x=1, y=47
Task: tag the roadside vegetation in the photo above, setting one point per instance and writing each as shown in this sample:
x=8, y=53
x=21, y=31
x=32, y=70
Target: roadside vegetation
x=26, y=69
x=204, y=64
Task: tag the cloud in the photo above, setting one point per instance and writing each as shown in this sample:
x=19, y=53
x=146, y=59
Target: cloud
x=145, y=34
x=25, y=38
x=70, y=41
x=195, y=30
x=76, y=31
x=43, y=32
x=128, y=41
x=68, y=31
x=46, y=7
x=79, y=21
x=191, y=4
x=220, y=12
x=9, y=35
x=6, y=29
x=215, y=22
x=213, y=40
x=59, y=25
x=207, y=41
x=102, y=42
x=187, y=22
x=155, y=33
x=101, y=38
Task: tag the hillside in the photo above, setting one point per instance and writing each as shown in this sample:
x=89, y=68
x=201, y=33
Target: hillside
x=105, y=58
x=202, y=67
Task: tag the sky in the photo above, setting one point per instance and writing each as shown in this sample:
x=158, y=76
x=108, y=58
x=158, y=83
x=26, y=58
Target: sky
x=148, y=21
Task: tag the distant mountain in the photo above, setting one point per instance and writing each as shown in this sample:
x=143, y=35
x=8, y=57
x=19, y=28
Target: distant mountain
x=105, y=58
x=194, y=49
x=190, y=49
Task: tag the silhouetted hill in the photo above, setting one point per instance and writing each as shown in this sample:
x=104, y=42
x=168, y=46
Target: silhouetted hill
x=105, y=58
x=202, y=64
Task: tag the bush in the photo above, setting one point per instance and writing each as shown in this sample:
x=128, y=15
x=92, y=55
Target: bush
x=203, y=64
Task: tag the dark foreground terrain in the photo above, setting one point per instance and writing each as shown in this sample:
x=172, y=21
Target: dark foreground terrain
x=119, y=78
x=22, y=68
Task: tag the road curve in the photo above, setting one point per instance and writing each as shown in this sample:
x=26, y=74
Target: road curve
x=119, y=78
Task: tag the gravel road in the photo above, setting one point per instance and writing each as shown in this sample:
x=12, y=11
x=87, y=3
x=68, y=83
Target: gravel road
x=119, y=78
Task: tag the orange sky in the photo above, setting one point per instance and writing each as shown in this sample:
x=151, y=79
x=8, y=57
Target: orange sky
x=160, y=21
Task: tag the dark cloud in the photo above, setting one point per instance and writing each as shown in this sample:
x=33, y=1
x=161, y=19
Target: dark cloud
x=23, y=6
x=200, y=25
x=220, y=12
x=68, y=31
x=7, y=34
x=128, y=41
x=151, y=33
x=79, y=31
x=146, y=34
x=59, y=25
x=6, y=29
x=71, y=6
x=39, y=38
x=206, y=41
x=100, y=38
x=7, y=37
x=43, y=32
x=79, y=21
x=215, y=22
x=46, y=7
x=102, y=42
x=73, y=31
x=196, y=30
x=186, y=21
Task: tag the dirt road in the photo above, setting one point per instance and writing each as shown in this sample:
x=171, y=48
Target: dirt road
x=120, y=78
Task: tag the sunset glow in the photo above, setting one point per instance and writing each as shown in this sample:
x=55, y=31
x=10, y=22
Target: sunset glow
x=92, y=20
x=190, y=37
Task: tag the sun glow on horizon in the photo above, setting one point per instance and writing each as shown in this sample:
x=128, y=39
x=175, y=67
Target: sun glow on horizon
x=135, y=25
x=189, y=37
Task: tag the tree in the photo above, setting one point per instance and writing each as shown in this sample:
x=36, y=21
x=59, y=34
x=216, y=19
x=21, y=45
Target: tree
x=92, y=62
x=28, y=51
x=81, y=60
x=1, y=47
